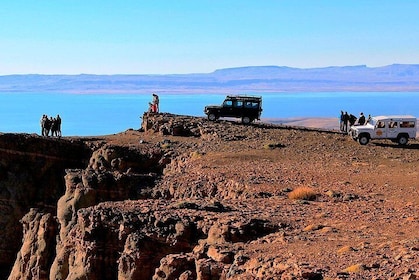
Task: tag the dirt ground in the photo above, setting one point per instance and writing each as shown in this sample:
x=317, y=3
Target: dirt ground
x=361, y=223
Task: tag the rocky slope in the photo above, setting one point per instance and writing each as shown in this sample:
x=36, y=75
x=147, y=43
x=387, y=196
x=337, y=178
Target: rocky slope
x=189, y=199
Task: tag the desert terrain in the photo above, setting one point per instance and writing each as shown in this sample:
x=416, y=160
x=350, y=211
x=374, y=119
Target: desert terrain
x=266, y=201
x=363, y=223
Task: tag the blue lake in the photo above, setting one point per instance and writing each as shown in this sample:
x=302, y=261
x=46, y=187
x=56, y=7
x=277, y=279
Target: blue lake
x=101, y=114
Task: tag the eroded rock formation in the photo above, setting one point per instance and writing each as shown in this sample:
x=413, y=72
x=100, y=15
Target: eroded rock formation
x=31, y=175
x=150, y=239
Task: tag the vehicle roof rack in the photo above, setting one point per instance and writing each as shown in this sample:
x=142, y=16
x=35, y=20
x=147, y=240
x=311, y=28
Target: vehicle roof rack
x=245, y=96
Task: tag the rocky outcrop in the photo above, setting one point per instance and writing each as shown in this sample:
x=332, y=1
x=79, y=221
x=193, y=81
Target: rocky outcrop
x=128, y=240
x=112, y=174
x=32, y=172
x=38, y=249
x=187, y=126
x=169, y=124
x=151, y=239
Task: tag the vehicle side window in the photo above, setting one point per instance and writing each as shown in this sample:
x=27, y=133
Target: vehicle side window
x=238, y=104
x=407, y=124
x=392, y=125
x=228, y=103
x=381, y=124
x=248, y=104
x=255, y=104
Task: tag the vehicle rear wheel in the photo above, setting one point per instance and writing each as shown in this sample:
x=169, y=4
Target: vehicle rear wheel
x=363, y=140
x=402, y=140
x=212, y=117
x=246, y=120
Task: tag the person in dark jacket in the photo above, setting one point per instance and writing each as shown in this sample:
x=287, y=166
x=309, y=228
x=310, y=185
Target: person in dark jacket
x=342, y=120
x=345, y=122
x=58, y=120
x=361, y=120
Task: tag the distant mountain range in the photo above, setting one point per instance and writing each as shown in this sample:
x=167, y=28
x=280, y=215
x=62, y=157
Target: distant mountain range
x=396, y=77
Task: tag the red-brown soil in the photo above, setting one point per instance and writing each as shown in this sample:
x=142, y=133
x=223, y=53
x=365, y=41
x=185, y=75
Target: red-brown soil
x=363, y=223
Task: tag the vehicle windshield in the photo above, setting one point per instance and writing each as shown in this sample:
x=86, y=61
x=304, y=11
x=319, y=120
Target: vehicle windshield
x=373, y=121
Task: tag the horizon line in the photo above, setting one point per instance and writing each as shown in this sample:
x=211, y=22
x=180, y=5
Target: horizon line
x=214, y=71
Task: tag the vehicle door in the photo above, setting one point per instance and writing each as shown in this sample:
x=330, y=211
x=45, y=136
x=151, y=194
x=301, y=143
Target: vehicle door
x=227, y=109
x=238, y=108
x=393, y=129
x=380, y=129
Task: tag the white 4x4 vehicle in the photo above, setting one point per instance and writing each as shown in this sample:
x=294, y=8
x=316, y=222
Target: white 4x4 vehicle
x=398, y=129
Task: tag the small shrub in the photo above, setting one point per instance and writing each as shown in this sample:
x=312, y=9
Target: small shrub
x=303, y=193
x=313, y=227
x=272, y=146
x=309, y=228
x=186, y=205
x=196, y=154
x=345, y=249
x=355, y=268
x=331, y=193
x=166, y=146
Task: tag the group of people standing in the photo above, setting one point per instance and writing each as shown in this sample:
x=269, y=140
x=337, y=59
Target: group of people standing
x=349, y=119
x=154, y=105
x=52, y=125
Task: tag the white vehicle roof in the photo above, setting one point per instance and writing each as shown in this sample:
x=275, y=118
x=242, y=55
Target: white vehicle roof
x=395, y=117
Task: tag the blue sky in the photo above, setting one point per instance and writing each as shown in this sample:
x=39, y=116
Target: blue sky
x=200, y=36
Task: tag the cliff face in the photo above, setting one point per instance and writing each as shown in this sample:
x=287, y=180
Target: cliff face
x=31, y=175
x=129, y=240
x=113, y=173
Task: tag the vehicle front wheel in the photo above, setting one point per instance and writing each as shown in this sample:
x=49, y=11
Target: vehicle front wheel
x=363, y=140
x=246, y=120
x=212, y=117
x=403, y=140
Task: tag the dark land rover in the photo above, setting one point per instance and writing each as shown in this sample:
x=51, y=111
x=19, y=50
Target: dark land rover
x=248, y=108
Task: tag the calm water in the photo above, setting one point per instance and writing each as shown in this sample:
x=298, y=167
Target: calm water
x=101, y=114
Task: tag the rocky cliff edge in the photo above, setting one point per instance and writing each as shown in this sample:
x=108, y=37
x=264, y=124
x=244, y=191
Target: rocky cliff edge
x=185, y=198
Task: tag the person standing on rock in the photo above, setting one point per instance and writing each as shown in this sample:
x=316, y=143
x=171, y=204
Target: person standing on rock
x=48, y=125
x=345, y=122
x=155, y=103
x=342, y=119
x=43, y=119
x=54, y=128
x=58, y=121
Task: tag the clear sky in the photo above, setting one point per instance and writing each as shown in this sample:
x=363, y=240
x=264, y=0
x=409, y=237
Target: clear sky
x=200, y=36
